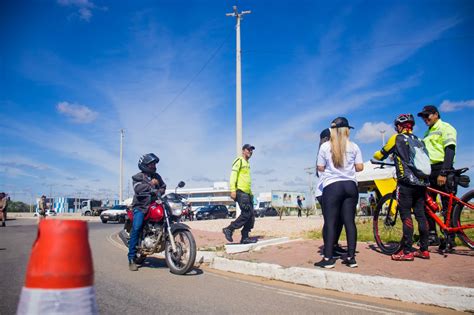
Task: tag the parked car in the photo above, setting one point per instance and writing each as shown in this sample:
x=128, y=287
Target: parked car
x=212, y=212
x=49, y=213
x=266, y=212
x=116, y=213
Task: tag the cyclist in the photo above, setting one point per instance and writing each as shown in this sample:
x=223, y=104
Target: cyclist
x=440, y=141
x=411, y=189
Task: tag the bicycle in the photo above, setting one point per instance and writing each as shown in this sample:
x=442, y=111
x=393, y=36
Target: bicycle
x=388, y=228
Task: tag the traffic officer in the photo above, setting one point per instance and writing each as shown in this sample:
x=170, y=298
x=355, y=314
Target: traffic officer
x=241, y=192
x=440, y=141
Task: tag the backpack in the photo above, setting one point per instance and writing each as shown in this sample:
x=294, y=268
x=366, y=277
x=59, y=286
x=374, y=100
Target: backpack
x=419, y=161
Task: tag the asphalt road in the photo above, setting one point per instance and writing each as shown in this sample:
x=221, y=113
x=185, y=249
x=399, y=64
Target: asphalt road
x=153, y=289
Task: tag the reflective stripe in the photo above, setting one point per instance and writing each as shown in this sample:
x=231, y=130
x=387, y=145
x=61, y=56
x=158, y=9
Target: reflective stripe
x=63, y=301
x=435, y=133
x=449, y=141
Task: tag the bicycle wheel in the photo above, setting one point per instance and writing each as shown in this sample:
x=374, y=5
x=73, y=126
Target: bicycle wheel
x=463, y=215
x=387, y=225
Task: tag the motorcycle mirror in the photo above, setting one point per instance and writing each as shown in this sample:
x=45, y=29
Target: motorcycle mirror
x=181, y=184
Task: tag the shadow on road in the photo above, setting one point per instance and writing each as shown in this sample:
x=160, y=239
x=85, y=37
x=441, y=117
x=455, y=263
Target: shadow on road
x=154, y=262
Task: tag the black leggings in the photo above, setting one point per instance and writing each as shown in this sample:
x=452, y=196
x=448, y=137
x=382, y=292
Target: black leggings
x=340, y=202
x=325, y=227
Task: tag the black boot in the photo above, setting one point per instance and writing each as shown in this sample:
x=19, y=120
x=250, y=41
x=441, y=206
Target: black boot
x=433, y=239
x=246, y=239
x=228, y=234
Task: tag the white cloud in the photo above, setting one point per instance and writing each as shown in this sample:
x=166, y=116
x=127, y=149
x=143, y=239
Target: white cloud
x=84, y=7
x=450, y=106
x=373, y=131
x=79, y=113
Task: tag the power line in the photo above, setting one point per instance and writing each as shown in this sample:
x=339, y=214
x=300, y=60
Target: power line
x=387, y=45
x=190, y=81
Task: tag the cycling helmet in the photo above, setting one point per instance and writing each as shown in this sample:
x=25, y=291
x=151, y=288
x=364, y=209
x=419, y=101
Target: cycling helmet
x=404, y=120
x=145, y=161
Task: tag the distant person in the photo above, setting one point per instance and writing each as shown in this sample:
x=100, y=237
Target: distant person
x=411, y=188
x=42, y=207
x=372, y=204
x=440, y=141
x=241, y=192
x=338, y=251
x=300, y=205
x=147, y=185
x=3, y=207
x=339, y=159
x=189, y=212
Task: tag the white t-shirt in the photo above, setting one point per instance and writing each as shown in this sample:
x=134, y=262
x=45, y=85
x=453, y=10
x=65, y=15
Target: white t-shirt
x=347, y=172
x=319, y=186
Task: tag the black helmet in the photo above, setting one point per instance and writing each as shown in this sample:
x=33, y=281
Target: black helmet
x=145, y=161
x=404, y=119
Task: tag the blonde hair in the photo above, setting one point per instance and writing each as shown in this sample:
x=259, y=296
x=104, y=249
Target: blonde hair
x=339, y=140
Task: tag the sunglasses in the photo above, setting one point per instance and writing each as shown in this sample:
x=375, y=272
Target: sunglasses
x=426, y=116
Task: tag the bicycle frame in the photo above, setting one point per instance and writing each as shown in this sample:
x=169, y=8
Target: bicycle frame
x=447, y=226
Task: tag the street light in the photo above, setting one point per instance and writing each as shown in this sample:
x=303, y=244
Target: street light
x=383, y=136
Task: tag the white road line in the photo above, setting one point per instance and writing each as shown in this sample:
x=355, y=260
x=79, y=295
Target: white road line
x=305, y=296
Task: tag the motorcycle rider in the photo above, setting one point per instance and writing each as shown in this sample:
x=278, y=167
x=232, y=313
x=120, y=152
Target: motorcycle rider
x=147, y=185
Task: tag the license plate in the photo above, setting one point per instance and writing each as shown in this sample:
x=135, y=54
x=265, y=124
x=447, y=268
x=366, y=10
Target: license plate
x=106, y=216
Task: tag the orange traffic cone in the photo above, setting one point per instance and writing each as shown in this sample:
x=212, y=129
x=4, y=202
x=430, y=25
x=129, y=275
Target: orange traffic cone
x=60, y=275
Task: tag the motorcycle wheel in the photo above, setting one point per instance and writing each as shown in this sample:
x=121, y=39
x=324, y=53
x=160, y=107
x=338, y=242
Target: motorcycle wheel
x=183, y=260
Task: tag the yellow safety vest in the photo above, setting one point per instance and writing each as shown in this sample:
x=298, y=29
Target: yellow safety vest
x=240, y=176
x=438, y=137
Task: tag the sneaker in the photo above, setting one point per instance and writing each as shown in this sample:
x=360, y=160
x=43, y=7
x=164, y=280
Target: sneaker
x=132, y=266
x=350, y=262
x=339, y=250
x=422, y=254
x=401, y=256
x=228, y=234
x=326, y=263
x=248, y=241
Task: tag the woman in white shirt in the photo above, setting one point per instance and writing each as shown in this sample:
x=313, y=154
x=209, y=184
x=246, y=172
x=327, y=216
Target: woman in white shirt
x=338, y=251
x=339, y=159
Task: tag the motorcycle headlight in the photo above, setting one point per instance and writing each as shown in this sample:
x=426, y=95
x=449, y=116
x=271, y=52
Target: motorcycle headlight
x=176, y=208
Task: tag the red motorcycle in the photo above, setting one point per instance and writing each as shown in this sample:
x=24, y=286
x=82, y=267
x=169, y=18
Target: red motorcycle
x=162, y=231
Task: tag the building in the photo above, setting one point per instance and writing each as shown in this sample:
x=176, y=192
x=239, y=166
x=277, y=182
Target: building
x=219, y=193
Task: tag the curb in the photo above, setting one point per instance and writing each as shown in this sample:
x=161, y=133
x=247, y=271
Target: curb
x=458, y=298
x=240, y=248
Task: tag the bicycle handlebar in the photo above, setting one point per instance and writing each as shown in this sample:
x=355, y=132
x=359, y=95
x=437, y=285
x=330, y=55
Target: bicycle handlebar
x=381, y=163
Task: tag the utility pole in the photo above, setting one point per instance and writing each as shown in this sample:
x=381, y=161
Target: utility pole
x=310, y=171
x=238, y=83
x=383, y=136
x=121, y=165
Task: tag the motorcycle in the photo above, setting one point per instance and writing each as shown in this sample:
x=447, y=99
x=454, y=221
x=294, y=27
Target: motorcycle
x=163, y=231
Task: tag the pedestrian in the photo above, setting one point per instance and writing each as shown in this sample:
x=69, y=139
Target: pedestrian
x=300, y=205
x=42, y=206
x=241, y=192
x=372, y=204
x=338, y=251
x=147, y=185
x=3, y=207
x=440, y=141
x=339, y=159
x=411, y=187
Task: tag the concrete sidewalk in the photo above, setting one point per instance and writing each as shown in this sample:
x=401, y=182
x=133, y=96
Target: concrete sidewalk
x=446, y=281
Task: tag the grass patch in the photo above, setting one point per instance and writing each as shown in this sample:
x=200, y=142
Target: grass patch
x=364, y=231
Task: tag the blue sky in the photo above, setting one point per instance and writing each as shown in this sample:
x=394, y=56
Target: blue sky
x=75, y=72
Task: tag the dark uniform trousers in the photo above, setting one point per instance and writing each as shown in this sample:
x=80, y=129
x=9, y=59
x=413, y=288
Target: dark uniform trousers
x=247, y=215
